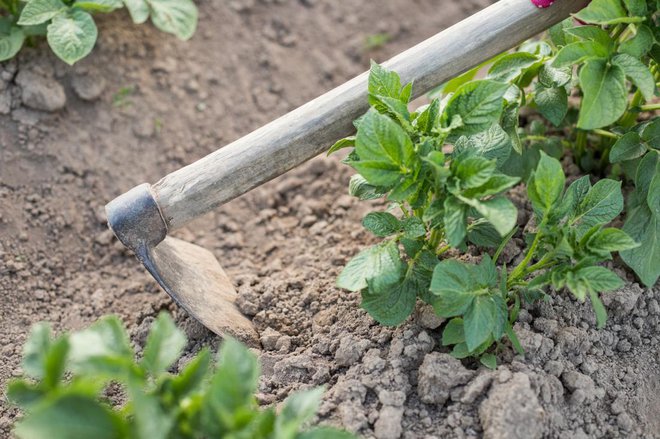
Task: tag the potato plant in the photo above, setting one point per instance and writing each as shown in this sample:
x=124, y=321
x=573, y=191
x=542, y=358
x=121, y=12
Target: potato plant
x=62, y=392
x=70, y=29
x=446, y=169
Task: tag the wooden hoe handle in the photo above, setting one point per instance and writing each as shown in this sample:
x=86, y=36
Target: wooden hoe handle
x=310, y=129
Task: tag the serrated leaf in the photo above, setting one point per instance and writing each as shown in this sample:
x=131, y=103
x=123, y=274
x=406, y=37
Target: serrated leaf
x=11, y=43
x=381, y=223
x=606, y=12
x=478, y=103
x=177, y=17
x=72, y=36
x=627, y=147
x=427, y=118
x=383, y=82
x=578, y=52
x=552, y=103
x=638, y=72
x=547, y=183
x=40, y=11
x=605, y=95
x=592, y=33
x=413, y=227
x=381, y=260
x=139, y=10
x=164, y=345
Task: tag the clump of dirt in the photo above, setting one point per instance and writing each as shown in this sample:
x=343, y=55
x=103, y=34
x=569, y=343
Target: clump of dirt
x=143, y=105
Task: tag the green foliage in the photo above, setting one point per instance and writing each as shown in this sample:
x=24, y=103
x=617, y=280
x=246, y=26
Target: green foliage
x=70, y=29
x=446, y=168
x=62, y=392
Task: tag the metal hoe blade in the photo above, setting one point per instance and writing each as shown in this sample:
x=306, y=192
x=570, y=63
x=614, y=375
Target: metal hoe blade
x=190, y=274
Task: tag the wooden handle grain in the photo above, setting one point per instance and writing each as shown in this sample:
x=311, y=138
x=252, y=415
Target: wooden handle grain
x=310, y=129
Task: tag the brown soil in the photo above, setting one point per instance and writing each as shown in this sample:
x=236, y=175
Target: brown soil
x=145, y=104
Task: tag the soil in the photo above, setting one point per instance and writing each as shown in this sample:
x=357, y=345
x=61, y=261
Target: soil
x=144, y=104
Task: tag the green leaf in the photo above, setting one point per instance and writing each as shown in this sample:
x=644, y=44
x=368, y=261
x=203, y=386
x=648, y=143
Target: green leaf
x=177, y=17
x=605, y=95
x=495, y=185
x=639, y=45
x=578, y=52
x=636, y=7
x=552, y=77
x=72, y=36
x=35, y=350
x=602, y=204
x=381, y=223
x=164, y=345
x=547, y=183
x=150, y=418
x=192, y=376
x=599, y=309
x=511, y=66
x=499, y=211
x=298, y=408
x=346, y=142
x=478, y=103
x=360, y=188
x=377, y=261
x=592, y=33
x=71, y=416
x=139, y=10
x=606, y=12
x=103, y=348
x=453, y=332
x=644, y=227
x=455, y=221
x=453, y=285
x=98, y=5
x=638, y=72
x=651, y=133
x=394, y=108
x=473, y=171
x=24, y=394
x=325, y=433
x=231, y=389
x=383, y=82
x=599, y=279
x=627, y=147
x=413, y=227
x=611, y=240
x=492, y=144
x=40, y=11
x=55, y=362
x=390, y=303
x=489, y=360
x=11, y=43
x=480, y=320
x=552, y=103
x=384, y=149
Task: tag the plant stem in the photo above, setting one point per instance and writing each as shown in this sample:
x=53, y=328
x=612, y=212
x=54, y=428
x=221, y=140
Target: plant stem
x=442, y=249
x=605, y=133
x=519, y=271
x=580, y=144
x=650, y=107
x=629, y=117
x=618, y=30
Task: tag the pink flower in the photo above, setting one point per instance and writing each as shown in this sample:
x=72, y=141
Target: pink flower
x=543, y=3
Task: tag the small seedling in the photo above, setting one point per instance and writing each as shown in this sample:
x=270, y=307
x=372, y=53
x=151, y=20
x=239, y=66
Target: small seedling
x=70, y=29
x=62, y=392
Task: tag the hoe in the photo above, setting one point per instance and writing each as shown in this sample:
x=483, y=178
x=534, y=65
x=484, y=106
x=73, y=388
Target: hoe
x=143, y=217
